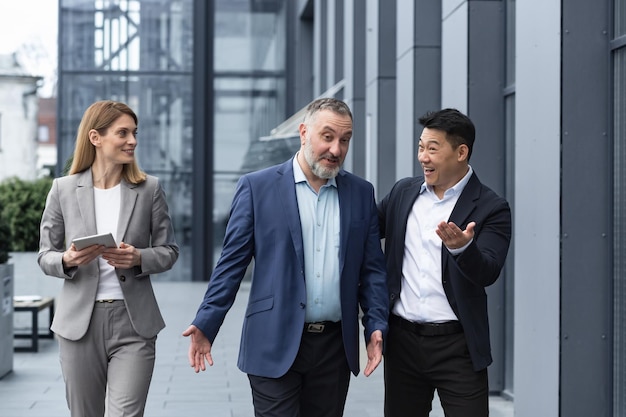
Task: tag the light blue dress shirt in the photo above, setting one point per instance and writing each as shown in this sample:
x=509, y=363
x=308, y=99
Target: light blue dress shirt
x=319, y=219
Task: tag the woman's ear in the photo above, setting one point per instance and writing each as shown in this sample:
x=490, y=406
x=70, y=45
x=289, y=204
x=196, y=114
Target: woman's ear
x=94, y=137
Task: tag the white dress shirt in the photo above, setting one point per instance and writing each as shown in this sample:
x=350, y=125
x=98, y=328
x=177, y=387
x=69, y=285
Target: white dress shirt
x=422, y=298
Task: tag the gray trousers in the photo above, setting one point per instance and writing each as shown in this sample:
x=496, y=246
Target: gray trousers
x=111, y=364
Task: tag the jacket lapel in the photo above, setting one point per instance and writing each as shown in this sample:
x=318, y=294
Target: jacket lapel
x=128, y=198
x=85, y=199
x=287, y=195
x=344, y=191
x=466, y=202
x=408, y=195
x=86, y=204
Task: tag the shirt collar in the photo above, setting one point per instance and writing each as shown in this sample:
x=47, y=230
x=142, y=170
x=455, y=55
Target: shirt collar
x=299, y=176
x=454, y=190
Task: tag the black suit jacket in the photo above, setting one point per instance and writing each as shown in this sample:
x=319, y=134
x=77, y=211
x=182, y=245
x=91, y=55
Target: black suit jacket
x=464, y=276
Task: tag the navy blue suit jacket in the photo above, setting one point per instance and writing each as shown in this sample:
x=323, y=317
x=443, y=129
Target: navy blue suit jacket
x=264, y=224
x=464, y=276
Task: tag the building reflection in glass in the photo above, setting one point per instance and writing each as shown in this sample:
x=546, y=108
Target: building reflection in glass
x=141, y=52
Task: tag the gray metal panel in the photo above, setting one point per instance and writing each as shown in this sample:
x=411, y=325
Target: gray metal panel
x=381, y=39
x=536, y=215
x=406, y=132
x=292, y=25
x=427, y=86
x=586, y=246
x=427, y=63
x=386, y=132
x=405, y=26
x=486, y=109
x=371, y=40
x=320, y=25
x=427, y=19
x=327, y=66
x=381, y=92
x=339, y=41
x=454, y=58
x=303, y=89
x=418, y=77
x=354, y=67
x=418, y=81
x=485, y=85
x=386, y=38
x=202, y=179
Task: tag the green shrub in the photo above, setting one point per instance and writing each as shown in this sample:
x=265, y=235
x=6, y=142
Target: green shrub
x=21, y=205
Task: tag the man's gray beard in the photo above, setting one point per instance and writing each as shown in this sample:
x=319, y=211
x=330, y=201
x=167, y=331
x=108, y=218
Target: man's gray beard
x=316, y=168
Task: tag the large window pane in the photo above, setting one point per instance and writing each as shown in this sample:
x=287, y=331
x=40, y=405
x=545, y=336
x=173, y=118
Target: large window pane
x=138, y=52
x=249, y=90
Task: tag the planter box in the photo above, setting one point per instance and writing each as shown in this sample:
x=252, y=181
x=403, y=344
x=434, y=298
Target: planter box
x=6, y=319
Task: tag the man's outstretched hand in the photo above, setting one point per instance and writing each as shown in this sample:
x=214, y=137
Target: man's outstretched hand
x=199, y=349
x=374, y=352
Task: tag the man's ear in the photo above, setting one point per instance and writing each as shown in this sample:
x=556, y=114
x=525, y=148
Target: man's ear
x=462, y=152
x=302, y=130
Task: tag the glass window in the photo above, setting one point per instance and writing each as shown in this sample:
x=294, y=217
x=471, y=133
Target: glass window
x=249, y=91
x=43, y=133
x=138, y=52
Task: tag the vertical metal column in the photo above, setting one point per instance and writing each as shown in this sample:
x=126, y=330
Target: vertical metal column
x=202, y=182
x=485, y=105
x=586, y=217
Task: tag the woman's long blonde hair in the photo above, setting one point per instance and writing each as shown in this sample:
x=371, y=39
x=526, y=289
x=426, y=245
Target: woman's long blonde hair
x=100, y=116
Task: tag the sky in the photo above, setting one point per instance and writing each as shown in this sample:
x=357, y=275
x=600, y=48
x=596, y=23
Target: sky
x=32, y=22
x=24, y=20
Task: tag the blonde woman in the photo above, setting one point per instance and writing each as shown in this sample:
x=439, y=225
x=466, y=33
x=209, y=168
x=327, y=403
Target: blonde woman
x=107, y=317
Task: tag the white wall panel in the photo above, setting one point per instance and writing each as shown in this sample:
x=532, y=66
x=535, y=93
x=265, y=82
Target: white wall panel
x=537, y=212
x=454, y=67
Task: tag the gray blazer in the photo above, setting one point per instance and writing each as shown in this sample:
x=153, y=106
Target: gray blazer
x=144, y=222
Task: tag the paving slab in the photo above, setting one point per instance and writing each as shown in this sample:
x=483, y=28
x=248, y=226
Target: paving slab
x=35, y=388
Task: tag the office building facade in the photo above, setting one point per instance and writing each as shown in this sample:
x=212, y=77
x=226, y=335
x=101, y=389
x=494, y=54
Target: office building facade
x=216, y=83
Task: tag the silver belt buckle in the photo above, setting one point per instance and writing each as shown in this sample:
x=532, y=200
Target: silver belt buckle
x=315, y=327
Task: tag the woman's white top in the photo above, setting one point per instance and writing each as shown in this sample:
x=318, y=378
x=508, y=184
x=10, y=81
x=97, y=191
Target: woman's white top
x=107, y=204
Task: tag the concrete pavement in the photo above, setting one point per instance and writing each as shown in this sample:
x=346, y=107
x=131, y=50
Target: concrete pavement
x=35, y=388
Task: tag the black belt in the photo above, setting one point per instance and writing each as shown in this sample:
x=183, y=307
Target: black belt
x=321, y=326
x=107, y=301
x=427, y=329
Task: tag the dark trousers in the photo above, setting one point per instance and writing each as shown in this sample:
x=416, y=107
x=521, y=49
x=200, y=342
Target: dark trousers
x=316, y=385
x=417, y=365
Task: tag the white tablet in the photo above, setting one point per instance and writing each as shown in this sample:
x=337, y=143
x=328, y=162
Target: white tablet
x=105, y=239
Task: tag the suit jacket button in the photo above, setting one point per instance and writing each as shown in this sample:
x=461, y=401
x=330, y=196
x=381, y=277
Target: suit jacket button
x=122, y=278
x=302, y=305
